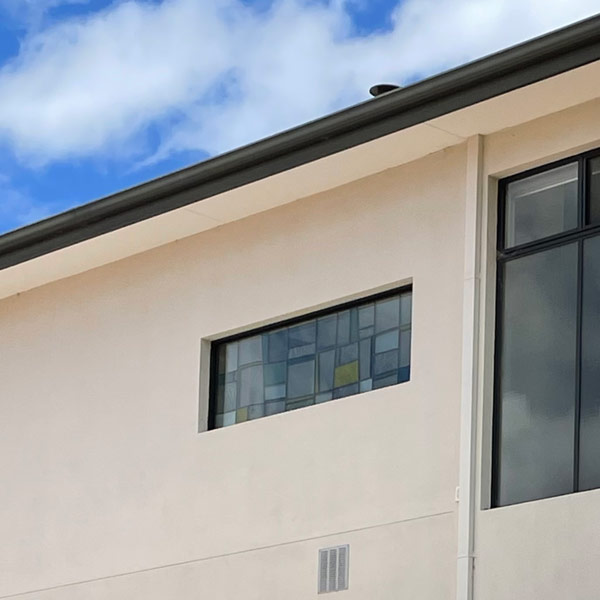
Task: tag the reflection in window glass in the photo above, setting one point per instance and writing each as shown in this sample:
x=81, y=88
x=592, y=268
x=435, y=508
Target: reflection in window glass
x=541, y=205
x=537, y=376
x=594, y=190
x=353, y=350
x=589, y=441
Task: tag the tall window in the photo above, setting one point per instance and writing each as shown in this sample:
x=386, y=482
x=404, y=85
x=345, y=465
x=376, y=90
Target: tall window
x=347, y=350
x=547, y=397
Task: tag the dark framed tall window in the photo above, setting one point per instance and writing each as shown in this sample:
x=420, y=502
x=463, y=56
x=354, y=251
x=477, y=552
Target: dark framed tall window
x=352, y=348
x=547, y=357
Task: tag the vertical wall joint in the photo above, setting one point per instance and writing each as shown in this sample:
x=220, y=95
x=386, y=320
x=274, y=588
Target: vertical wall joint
x=469, y=374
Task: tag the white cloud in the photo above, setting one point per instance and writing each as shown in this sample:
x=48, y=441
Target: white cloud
x=212, y=75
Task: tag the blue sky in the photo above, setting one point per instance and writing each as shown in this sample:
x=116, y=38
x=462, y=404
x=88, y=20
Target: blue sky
x=100, y=95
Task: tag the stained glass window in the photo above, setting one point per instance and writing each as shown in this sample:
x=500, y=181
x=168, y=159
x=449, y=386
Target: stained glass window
x=345, y=351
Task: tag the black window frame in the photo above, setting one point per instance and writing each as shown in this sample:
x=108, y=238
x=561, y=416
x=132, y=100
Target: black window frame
x=217, y=343
x=503, y=256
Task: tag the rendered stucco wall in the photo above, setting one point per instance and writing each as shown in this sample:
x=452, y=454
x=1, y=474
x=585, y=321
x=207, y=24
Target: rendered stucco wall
x=109, y=491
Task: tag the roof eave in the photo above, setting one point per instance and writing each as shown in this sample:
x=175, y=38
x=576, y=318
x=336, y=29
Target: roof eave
x=528, y=63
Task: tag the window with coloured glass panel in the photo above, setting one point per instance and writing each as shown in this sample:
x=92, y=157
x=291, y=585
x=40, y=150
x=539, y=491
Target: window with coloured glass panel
x=339, y=352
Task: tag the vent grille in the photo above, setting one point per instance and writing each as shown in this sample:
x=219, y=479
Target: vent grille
x=333, y=569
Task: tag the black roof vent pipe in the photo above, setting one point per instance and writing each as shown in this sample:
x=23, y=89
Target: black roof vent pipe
x=382, y=88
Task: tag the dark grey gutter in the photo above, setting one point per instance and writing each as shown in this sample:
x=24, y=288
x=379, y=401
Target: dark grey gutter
x=522, y=65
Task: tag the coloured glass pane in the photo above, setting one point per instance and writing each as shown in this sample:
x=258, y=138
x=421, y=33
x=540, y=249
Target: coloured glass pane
x=314, y=360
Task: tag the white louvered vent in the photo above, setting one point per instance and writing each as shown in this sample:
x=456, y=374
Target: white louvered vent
x=333, y=569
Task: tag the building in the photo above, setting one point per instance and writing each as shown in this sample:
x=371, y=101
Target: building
x=445, y=235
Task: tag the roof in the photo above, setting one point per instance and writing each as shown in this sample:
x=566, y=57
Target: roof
x=497, y=74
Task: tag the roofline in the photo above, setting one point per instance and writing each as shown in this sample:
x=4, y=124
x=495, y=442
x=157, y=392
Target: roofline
x=499, y=73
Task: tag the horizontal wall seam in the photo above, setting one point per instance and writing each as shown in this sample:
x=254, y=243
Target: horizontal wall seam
x=456, y=135
x=224, y=555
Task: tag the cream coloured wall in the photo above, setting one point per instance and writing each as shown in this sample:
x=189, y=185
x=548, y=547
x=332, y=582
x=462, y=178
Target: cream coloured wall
x=109, y=491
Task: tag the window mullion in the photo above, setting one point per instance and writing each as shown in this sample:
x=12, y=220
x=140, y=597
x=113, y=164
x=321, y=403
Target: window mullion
x=583, y=220
x=582, y=204
x=578, y=360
